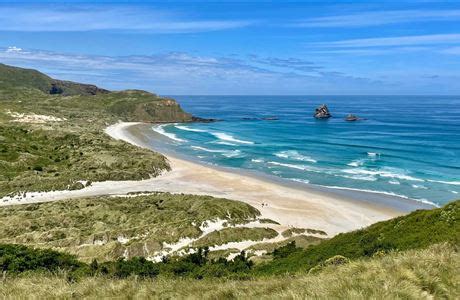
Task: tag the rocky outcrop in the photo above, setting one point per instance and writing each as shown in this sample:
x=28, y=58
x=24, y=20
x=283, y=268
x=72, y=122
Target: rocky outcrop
x=322, y=112
x=351, y=118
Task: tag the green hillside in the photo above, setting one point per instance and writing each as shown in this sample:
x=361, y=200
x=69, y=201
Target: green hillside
x=419, y=229
x=18, y=77
x=52, y=141
x=415, y=256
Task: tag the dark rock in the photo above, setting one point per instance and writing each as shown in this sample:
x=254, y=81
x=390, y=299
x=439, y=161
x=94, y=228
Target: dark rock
x=203, y=120
x=351, y=118
x=322, y=112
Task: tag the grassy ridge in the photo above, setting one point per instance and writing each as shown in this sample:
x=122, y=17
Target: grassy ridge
x=35, y=159
x=414, y=274
x=238, y=234
x=91, y=228
x=417, y=230
x=57, y=154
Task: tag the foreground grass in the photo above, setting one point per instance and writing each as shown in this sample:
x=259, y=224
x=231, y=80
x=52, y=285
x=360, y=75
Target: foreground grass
x=414, y=274
x=107, y=228
x=418, y=229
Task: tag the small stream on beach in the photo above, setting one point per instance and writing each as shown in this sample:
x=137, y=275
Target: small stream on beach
x=407, y=146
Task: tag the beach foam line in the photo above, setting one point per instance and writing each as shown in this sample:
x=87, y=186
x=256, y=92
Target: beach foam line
x=445, y=182
x=384, y=172
x=226, y=137
x=181, y=127
x=356, y=163
x=294, y=155
x=378, y=192
x=160, y=129
x=226, y=153
x=292, y=166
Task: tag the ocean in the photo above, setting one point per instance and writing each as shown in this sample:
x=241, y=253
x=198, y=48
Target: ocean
x=406, y=146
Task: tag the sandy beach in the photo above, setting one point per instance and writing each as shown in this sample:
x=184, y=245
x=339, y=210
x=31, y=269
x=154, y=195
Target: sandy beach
x=288, y=205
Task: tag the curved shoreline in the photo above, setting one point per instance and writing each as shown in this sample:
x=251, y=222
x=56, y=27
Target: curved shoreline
x=290, y=205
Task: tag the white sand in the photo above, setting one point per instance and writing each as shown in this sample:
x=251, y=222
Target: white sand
x=289, y=206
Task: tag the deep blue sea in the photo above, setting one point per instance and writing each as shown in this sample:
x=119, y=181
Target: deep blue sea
x=407, y=145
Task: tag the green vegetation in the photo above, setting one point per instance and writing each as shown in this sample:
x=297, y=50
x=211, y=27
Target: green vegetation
x=419, y=229
x=414, y=274
x=13, y=77
x=301, y=241
x=49, y=155
x=93, y=227
x=103, y=242
x=236, y=234
x=34, y=159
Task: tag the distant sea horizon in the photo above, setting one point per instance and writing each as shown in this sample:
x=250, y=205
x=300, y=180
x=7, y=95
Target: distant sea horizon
x=404, y=146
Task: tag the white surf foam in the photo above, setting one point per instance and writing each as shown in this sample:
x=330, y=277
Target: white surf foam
x=415, y=186
x=257, y=160
x=445, y=182
x=181, y=127
x=299, y=180
x=160, y=129
x=373, y=154
x=394, y=182
x=226, y=137
x=356, y=163
x=379, y=192
x=384, y=172
x=226, y=153
x=292, y=166
x=294, y=155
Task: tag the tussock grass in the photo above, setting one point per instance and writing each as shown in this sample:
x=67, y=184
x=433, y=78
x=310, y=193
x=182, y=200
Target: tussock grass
x=90, y=228
x=237, y=234
x=414, y=274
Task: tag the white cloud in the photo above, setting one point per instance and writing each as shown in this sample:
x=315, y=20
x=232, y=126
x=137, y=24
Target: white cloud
x=94, y=18
x=13, y=49
x=375, y=18
x=182, y=73
x=432, y=39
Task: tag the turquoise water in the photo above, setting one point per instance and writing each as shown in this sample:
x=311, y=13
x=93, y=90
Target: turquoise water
x=407, y=146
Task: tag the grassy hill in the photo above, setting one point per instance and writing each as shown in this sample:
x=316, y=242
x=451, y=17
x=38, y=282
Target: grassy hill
x=51, y=140
x=415, y=256
x=419, y=229
x=18, y=77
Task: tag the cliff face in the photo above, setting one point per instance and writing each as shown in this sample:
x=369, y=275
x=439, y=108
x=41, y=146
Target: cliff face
x=141, y=106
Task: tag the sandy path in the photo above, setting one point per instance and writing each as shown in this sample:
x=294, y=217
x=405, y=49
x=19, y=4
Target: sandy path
x=286, y=205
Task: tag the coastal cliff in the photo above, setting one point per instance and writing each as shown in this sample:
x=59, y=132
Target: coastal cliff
x=128, y=105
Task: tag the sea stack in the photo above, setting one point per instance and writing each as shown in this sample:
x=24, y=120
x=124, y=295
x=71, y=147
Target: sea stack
x=322, y=112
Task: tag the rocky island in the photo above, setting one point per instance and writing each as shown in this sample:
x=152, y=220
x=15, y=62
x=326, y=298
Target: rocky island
x=322, y=112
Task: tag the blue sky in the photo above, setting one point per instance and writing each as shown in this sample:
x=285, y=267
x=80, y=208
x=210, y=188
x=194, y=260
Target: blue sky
x=259, y=47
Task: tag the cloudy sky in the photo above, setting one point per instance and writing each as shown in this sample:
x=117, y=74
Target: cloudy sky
x=259, y=47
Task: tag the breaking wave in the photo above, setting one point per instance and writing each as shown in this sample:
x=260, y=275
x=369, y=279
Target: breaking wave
x=294, y=155
x=228, y=138
x=385, y=173
x=226, y=153
x=160, y=129
x=181, y=127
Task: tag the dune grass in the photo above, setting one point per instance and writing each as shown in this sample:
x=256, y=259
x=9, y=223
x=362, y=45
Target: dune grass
x=416, y=230
x=237, y=234
x=93, y=227
x=414, y=274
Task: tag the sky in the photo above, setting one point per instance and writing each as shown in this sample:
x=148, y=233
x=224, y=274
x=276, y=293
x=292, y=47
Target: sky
x=240, y=47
